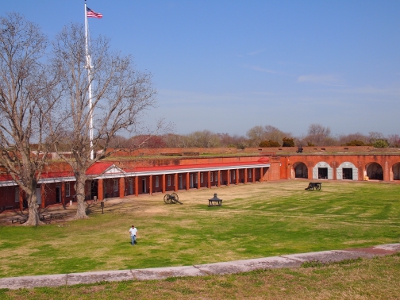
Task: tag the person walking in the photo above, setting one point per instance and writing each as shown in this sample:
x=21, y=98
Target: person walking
x=133, y=233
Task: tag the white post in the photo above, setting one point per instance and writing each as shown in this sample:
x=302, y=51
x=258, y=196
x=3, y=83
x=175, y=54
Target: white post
x=89, y=68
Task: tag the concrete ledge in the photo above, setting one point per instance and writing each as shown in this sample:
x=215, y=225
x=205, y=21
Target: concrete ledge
x=326, y=256
x=162, y=273
x=33, y=281
x=239, y=266
x=93, y=277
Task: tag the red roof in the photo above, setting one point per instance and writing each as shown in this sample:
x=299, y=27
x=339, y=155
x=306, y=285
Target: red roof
x=5, y=177
x=98, y=168
x=194, y=166
x=57, y=174
x=44, y=175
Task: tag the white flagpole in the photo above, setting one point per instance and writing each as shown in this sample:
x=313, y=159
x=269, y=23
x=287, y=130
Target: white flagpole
x=89, y=68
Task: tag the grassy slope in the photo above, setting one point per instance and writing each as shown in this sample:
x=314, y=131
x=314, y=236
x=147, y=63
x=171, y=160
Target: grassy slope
x=356, y=279
x=256, y=220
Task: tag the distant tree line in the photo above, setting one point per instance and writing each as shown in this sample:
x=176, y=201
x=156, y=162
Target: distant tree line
x=261, y=136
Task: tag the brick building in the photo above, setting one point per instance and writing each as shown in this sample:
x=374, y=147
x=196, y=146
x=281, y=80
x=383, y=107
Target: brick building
x=184, y=169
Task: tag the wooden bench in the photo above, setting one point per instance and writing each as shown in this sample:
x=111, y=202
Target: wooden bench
x=58, y=216
x=48, y=217
x=314, y=186
x=45, y=217
x=214, y=202
x=20, y=220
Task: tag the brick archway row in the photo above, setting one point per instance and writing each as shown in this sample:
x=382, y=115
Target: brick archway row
x=388, y=163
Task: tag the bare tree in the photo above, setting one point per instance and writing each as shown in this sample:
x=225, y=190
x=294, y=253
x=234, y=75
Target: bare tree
x=268, y=133
x=318, y=135
x=274, y=134
x=255, y=135
x=353, y=139
x=375, y=136
x=236, y=141
x=119, y=141
x=203, y=139
x=120, y=97
x=148, y=141
x=394, y=140
x=172, y=140
x=26, y=102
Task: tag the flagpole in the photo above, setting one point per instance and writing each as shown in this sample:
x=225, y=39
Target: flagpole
x=89, y=68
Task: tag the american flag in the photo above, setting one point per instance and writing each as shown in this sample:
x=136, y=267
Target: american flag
x=91, y=14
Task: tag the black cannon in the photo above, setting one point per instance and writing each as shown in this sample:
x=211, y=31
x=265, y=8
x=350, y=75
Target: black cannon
x=172, y=198
x=314, y=186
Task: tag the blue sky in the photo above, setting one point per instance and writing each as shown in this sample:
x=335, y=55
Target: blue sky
x=229, y=65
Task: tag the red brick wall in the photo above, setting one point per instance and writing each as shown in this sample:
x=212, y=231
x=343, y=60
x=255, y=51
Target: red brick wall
x=274, y=171
x=360, y=161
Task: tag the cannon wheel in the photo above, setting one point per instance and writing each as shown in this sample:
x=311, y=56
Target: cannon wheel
x=174, y=197
x=318, y=187
x=167, y=199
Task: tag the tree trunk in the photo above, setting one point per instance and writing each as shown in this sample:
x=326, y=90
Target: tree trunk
x=80, y=198
x=33, y=217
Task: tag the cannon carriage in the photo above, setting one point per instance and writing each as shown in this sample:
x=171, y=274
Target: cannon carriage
x=172, y=198
x=314, y=186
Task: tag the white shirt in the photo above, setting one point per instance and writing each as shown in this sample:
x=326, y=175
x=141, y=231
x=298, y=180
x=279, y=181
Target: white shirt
x=133, y=231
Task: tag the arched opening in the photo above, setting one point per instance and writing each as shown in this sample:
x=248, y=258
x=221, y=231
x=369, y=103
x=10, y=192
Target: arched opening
x=396, y=171
x=322, y=170
x=375, y=171
x=300, y=170
x=347, y=171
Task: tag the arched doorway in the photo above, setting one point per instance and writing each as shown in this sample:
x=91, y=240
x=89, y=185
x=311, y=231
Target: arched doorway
x=300, y=170
x=322, y=170
x=375, y=171
x=347, y=171
x=396, y=171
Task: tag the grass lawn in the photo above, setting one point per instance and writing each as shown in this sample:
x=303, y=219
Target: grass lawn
x=255, y=220
x=353, y=279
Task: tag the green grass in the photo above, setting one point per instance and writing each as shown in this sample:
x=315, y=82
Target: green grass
x=350, y=279
x=255, y=220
